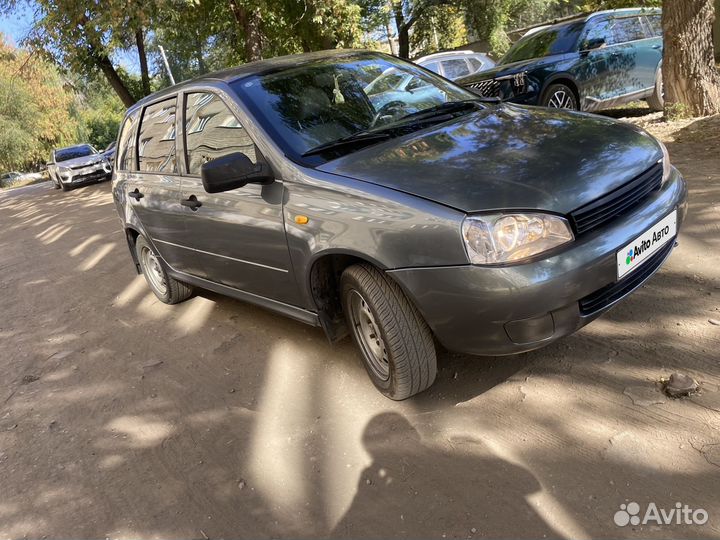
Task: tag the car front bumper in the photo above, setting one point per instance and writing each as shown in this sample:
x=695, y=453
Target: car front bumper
x=92, y=173
x=513, y=309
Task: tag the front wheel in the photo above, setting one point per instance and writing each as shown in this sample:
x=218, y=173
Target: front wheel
x=166, y=288
x=559, y=96
x=395, y=342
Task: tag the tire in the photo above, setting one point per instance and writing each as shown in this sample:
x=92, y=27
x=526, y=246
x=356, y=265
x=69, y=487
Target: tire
x=166, y=288
x=559, y=96
x=656, y=101
x=394, y=341
x=64, y=187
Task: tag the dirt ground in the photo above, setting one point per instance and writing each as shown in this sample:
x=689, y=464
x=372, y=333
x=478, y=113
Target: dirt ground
x=122, y=417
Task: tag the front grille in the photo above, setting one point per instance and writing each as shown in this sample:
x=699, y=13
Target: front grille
x=76, y=167
x=602, y=298
x=486, y=88
x=617, y=202
x=96, y=175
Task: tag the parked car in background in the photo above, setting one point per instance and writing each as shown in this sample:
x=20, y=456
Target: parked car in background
x=393, y=85
x=494, y=229
x=455, y=64
x=589, y=63
x=109, y=152
x=8, y=178
x=77, y=165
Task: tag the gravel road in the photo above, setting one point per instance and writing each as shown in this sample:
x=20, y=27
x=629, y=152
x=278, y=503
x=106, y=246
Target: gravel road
x=122, y=417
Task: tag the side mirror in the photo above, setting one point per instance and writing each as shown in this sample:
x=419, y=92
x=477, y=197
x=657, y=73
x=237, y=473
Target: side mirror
x=595, y=43
x=233, y=171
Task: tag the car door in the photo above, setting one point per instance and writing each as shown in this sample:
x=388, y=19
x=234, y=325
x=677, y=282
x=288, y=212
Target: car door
x=625, y=63
x=153, y=187
x=650, y=49
x=596, y=48
x=238, y=236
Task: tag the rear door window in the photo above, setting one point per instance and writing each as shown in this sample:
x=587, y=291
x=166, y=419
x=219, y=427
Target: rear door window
x=156, y=152
x=475, y=64
x=455, y=68
x=655, y=25
x=126, y=151
x=212, y=131
x=628, y=29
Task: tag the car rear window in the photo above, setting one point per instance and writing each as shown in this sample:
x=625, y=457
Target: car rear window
x=126, y=157
x=75, y=152
x=156, y=152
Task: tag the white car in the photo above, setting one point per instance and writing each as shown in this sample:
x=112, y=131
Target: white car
x=76, y=165
x=455, y=64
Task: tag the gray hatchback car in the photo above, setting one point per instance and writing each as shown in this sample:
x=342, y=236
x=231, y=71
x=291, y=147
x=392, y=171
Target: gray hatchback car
x=490, y=228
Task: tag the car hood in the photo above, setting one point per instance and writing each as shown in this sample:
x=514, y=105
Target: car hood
x=81, y=161
x=508, y=157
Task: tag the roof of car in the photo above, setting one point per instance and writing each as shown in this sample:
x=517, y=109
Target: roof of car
x=585, y=17
x=448, y=53
x=258, y=67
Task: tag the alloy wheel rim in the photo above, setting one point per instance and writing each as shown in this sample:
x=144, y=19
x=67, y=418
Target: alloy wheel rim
x=368, y=336
x=154, y=271
x=561, y=100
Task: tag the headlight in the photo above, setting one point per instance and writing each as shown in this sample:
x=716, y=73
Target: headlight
x=503, y=238
x=667, y=168
x=64, y=171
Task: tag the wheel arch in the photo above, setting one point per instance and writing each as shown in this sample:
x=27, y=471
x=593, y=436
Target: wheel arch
x=131, y=235
x=562, y=78
x=322, y=283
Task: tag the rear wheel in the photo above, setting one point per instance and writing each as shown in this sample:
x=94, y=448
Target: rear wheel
x=166, y=288
x=656, y=101
x=559, y=96
x=395, y=342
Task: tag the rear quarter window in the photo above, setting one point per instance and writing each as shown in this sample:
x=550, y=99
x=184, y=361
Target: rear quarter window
x=126, y=147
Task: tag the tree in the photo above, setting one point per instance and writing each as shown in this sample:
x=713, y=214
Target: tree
x=407, y=13
x=35, y=107
x=691, y=80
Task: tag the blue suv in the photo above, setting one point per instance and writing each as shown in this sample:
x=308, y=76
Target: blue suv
x=587, y=63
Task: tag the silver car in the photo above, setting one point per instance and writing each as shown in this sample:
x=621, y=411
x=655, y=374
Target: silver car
x=77, y=165
x=491, y=228
x=455, y=64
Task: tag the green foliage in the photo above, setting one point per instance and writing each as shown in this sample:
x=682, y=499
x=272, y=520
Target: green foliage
x=34, y=110
x=99, y=113
x=440, y=28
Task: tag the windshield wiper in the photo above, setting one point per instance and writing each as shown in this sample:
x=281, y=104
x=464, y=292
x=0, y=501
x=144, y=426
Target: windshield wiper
x=361, y=137
x=449, y=107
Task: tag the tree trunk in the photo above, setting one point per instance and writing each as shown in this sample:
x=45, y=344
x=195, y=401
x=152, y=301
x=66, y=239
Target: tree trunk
x=690, y=77
x=249, y=21
x=403, y=30
x=105, y=65
x=144, y=73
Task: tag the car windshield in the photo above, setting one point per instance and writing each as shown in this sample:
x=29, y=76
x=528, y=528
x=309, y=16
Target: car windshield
x=74, y=152
x=316, y=104
x=557, y=39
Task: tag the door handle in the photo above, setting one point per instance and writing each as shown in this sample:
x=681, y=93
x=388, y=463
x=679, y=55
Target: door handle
x=658, y=46
x=192, y=203
x=136, y=194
